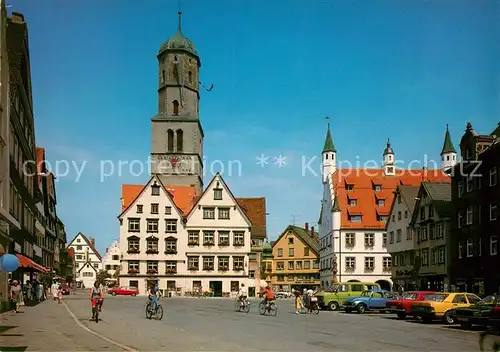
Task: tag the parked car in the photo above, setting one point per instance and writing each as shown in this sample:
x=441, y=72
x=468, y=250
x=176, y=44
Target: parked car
x=442, y=305
x=402, y=305
x=495, y=319
x=477, y=314
x=368, y=300
x=333, y=297
x=124, y=291
x=283, y=294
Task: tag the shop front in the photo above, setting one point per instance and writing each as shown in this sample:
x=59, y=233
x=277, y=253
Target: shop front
x=437, y=283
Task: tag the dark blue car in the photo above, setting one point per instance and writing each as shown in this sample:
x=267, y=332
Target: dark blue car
x=369, y=300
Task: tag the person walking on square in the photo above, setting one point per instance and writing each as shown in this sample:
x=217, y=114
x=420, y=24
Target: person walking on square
x=59, y=295
x=16, y=295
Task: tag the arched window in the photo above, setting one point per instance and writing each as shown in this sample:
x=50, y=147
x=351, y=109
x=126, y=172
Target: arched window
x=170, y=140
x=175, y=104
x=190, y=77
x=162, y=76
x=180, y=141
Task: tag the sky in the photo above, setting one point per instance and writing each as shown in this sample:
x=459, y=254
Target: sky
x=378, y=69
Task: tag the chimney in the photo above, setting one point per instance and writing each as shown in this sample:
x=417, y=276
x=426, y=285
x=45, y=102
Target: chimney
x=92, y=242
x=306, y=226
x=312, y=230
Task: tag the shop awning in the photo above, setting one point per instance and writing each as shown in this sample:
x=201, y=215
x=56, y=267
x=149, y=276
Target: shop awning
x=27, y=263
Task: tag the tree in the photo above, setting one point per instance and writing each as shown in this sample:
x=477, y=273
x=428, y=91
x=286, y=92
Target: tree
x=116, y=275
x=102, y=276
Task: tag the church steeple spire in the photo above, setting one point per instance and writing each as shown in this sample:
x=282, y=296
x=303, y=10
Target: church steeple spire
x=448, y=153
x=329, y=146
x=329, y=154
x=179, y=27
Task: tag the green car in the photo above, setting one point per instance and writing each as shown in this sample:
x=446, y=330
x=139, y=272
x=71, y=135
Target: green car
x=477, y=314
x=333, y=298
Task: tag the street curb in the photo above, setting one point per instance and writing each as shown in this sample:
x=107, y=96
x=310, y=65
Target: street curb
x=117, y=344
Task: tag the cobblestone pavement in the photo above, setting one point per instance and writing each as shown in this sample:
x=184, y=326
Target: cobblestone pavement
x=47, y=327
x=213, y=325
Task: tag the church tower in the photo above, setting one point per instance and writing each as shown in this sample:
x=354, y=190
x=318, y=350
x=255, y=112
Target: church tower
x=329, y=155
x=448, y=153
x=177, y=135
x=389, y=162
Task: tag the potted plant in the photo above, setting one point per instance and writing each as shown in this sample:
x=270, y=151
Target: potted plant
x=133, y=250
x=223, y=268
x=171, y=251
x=133, y=271
x=152, y=271
x=208, y=243
x=170, y=271
x=193, y=268
x=224, y=243
x=239, y=243
x=193, y=243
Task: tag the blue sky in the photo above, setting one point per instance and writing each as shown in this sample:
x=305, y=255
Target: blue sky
x=378, y=69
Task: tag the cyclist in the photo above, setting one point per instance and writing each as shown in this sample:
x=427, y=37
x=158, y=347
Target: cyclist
x=96, y=294
x=153, y=296
x=268, y=295
x=242, y=295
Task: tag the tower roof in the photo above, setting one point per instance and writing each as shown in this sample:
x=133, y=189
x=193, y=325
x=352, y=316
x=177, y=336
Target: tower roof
x=388, y=149
x=448, y=144
x=178, y=42
x=329, y=146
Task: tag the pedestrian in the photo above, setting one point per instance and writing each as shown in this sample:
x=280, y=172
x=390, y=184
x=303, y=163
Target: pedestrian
x=298, y=301
x=59, y=295
x=29, y=292
x=16, y=295
x=53, y=289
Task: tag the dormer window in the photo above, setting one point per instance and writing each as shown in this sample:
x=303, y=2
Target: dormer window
x=380, y=202
x=353, y=202
x=355, y=218
x=349, y=187
x=155, y=189
x=377, y=188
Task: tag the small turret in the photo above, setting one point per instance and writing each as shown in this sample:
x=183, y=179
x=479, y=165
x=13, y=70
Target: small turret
x=389, y=162
x=448, y=153
x=329, y=156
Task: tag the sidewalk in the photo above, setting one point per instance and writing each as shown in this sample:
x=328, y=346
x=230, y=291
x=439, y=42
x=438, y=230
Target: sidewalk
x=46, y=327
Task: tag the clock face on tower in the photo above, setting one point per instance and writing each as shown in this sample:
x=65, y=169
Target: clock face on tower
x=177, y=164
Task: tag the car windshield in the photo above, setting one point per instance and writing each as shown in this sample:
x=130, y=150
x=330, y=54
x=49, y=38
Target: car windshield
x=409, y=295
x=435, y=297
x=488, y=301
x=366, y=294
x=338, y=288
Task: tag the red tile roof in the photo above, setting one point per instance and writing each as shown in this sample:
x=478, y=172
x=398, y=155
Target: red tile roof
x=364, y=181
x=255, y=209
x=183, y=196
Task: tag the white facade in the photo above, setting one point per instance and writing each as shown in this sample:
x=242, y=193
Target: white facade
x=111, y=260
x=326, y=235
x=400, y=241
x=88, y=261
x=208, y=248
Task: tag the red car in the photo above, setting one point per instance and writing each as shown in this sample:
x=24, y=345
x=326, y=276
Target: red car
x=402, y=305
x=124, y=291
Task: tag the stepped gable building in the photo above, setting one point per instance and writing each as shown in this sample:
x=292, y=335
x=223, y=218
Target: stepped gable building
x=355, y=207
x=186, y=238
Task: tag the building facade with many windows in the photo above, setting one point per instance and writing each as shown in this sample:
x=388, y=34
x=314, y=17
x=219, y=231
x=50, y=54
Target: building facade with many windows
x=184, y=243
x=294, y=263
x=400, y=242
x=430, y=225
x=355, y=243
x=88, y=261
x=475, y=217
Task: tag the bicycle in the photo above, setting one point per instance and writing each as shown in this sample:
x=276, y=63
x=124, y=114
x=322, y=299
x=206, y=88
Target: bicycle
x=157, y=312
x=242, y=306
x=268, y=308
x=95, y=310
x=494, y=345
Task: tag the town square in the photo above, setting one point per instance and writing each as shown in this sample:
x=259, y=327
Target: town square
x=327, y=179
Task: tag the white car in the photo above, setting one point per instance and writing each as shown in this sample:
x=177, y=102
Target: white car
x=283, y=294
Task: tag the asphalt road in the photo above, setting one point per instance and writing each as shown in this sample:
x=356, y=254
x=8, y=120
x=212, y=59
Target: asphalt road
x=213, y=325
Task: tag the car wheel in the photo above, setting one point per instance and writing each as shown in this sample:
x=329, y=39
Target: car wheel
x=401, y=316
x=333, y=306
x=113, y=294
x=448, y=319
x=133, y=295
x=361, y=308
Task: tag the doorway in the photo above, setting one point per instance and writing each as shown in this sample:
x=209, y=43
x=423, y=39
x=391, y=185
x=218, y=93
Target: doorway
x=216, y=288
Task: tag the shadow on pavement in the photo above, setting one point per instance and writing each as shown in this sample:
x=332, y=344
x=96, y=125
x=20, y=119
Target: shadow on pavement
x=3, y=330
